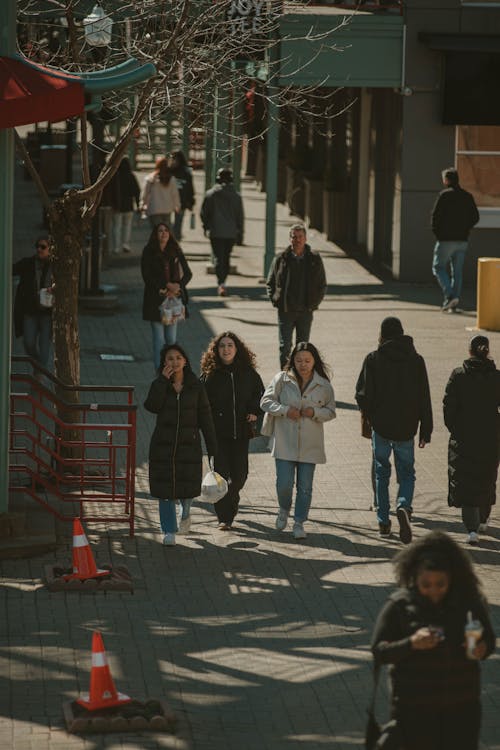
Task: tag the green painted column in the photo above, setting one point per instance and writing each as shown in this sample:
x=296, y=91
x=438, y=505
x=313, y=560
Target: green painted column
x=272, y=145
x=7, y=47
x=222, y=132
x=236, y=139
x=168, y=133
x=185, y=130
x=209, y=145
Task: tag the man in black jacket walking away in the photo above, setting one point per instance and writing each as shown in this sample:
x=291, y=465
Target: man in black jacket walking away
x=393, y=393
x=296, y=285
x=223, y=218
x=453, y=216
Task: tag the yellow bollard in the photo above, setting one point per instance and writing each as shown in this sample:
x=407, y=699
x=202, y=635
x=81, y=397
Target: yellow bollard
x=488, y=293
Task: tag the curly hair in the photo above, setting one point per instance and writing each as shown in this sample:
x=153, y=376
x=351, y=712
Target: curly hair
x=319, y=365
x=210, y=359
x=437, y=551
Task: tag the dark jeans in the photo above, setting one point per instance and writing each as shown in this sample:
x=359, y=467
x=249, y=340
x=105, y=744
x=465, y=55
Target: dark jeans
x=231, y=461
x=472, y=516
x=287, y=322
x=37, y=336
x=221, y=248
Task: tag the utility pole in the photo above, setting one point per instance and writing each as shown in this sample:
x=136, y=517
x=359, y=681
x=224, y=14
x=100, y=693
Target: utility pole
x=7, y=48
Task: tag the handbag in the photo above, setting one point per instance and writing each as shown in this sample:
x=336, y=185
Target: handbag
x=380, y=737
x=172, y=310
x=213, y=486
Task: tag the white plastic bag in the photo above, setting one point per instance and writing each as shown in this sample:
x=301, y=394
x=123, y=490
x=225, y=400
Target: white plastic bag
x=97, y=27
x=172, y=311
x=213, y=487
x=46, y=298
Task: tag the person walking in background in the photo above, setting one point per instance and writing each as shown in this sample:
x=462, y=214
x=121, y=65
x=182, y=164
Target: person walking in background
x=234, y=389
x=296, y=285
x=123, y=192
x=33, y=301
x=297, y=402
x=160, y=195
x=471, y=402
x=223, y=218
x=453, y=216
x=166, y=274
x=420, y=634
x=182, y=409
x=184, y=180
x=393, y=393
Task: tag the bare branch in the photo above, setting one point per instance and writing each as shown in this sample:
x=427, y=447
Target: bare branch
x=23, y=151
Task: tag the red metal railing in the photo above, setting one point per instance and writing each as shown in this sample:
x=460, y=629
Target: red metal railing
x=87, y=464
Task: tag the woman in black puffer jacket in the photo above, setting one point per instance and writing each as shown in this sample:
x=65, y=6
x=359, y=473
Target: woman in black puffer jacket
x=234, y=390
x=182, y=409
x=471, y=404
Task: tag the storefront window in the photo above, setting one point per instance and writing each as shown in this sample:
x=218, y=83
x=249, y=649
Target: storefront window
x=478, y=162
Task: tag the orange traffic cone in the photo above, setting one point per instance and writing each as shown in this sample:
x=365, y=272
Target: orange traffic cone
x=83, y=560
x=103, y=693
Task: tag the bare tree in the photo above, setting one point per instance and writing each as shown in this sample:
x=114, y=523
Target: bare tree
x=197, y=47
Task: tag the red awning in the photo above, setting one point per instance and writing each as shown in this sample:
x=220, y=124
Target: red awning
x=31, y=93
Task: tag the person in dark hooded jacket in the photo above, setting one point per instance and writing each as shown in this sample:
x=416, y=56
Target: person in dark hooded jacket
x=393, y=393
x=471, y=402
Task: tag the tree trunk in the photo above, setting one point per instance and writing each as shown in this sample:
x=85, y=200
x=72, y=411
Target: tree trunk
x=68, y=228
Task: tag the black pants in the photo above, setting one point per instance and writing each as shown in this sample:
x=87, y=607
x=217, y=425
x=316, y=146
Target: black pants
x=472, y=516
x=221, y=247
x=448, y=728
x=232, y=462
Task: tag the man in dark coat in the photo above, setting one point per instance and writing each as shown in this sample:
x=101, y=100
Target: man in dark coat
x=223, y=218
x=296, y=285
x=471, y=403
x=393, y=393
x=32, y=310
x=453, y=216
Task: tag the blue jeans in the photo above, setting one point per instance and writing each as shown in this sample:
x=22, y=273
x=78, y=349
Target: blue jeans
x=287, y=472
x=168, y=514
x=162, y=335
x=287, y=322
x=37, y=337
x=449, y=255
x=404, y=460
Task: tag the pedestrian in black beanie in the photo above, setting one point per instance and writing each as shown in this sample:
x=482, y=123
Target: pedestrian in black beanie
x=393, y=394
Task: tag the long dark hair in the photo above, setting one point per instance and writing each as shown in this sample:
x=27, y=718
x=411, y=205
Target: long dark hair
x=178, y=348
x=210, y=359
x=172, y=249
x=437, y=551
x=319, y=364
x=180, y=158
x=163, y=170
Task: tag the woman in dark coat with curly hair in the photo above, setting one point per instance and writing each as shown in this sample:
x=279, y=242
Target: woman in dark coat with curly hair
x=234, y=390
x=420, y=634
x=182, y=409
x=166, y=273
x=471, y=404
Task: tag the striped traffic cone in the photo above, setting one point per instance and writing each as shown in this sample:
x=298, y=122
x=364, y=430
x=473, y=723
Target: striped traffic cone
x=83, y=560
x=103, y=693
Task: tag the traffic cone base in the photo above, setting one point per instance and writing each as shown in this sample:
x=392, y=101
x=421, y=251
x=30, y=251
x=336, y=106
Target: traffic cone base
x=104, y=702
x=84, y=566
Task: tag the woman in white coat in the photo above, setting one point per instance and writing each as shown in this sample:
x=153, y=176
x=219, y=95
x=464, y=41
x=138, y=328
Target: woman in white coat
x=297, y=402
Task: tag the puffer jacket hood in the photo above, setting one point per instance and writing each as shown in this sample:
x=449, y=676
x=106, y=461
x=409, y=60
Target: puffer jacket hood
x=398, y=349
x=476, y=365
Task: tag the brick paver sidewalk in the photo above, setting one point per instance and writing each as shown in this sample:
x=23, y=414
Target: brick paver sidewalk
x=256, y=640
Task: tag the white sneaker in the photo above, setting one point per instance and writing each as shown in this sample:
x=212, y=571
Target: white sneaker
x=298, y=530
x=281, y=519
x=184, y=525
x=472, y=537
x=483, y=527
x=169, y=540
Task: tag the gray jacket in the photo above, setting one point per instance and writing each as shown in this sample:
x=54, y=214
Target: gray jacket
x=222, y=213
